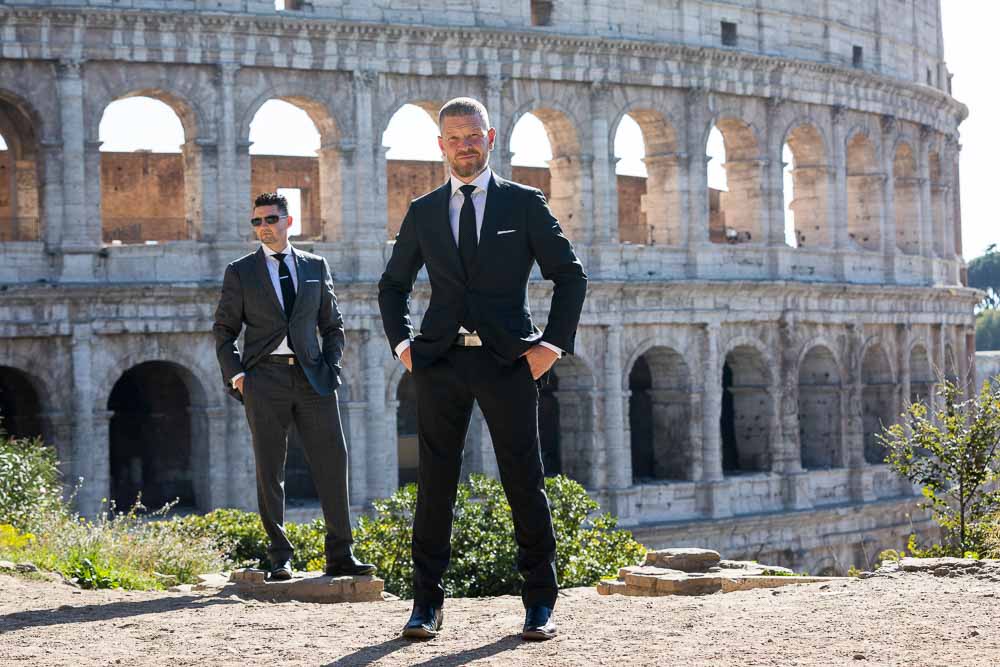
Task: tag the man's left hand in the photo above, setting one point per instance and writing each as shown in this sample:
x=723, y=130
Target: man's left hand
x=540, y=360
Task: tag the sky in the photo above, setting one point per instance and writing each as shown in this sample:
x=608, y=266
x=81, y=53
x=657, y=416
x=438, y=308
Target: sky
x=282, y=129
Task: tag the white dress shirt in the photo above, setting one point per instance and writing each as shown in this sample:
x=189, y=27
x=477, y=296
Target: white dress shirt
x=272, y=269
x=482, y=183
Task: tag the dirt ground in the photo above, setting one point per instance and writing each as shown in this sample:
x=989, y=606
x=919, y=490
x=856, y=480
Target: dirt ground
x=918, y=619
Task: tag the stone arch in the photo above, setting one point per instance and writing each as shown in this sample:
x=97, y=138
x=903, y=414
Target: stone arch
x=878, y=399
x=921, y=375
x=566, y=421
x=906, y=198
x=137, y=188
x=21, y=179
x=819, y=408
x=740, y=206
x=747, y=408
x=407, y=448
x=658, y=217
x=660, y=410
x=566, y=168
x=864, y=192
x=318, y=179
x=405, y=180
x=810, y=173
x=22, y=407
x=157, y=436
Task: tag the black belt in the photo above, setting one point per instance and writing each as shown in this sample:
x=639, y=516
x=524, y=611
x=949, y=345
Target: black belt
x=283, y=359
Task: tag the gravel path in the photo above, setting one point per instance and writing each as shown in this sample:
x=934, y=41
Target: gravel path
x=916, y=619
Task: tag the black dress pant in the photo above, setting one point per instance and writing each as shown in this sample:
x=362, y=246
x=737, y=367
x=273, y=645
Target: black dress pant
x=508, y=398
x=275, y=396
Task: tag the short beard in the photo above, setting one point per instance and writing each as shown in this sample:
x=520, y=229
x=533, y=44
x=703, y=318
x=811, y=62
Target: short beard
x=463, y=171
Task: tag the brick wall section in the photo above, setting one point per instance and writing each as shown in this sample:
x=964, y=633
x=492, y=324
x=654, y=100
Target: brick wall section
x=270, y=172
x=142, y=197
x=631, y=212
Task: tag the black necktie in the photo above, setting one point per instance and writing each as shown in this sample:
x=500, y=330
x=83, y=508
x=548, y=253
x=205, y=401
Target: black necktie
x=467, y=231
x=287, y=286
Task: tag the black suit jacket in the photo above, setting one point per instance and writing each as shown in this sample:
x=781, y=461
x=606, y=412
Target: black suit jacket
x=518, y=229
x=248, y=298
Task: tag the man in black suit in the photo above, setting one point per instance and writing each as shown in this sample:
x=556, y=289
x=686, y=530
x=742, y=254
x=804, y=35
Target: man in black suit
x=284, y=296
x=479, y=235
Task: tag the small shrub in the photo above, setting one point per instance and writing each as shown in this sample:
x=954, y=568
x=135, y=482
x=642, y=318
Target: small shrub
x=484, y=553
x=29, y=481
x=954, y=455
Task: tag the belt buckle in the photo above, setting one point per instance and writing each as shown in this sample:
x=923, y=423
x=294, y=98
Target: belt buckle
x=469, y=340
x=291, y=361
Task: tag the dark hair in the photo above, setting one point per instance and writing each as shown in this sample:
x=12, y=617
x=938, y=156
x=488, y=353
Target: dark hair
x=463, y=106
x=272, y=199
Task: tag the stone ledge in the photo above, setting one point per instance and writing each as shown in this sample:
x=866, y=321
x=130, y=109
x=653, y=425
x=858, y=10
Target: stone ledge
x=307, y=587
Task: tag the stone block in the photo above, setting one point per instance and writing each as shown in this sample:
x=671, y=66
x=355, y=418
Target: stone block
x=311, y=587
x=248, y=575
x=734, y=584
x=688, y=585
x=684, y=559
x=611, y=587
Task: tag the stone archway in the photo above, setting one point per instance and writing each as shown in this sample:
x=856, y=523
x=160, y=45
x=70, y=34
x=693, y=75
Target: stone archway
x=157, y=435
x=745, y=424
x=819, y=410
x=660, y=417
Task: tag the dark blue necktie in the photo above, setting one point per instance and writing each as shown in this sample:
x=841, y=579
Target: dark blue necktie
x=287, y=286
x=467, y=231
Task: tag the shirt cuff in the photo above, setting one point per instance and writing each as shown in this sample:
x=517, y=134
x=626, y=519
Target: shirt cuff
x=235, y=378
x=551, y=347
x=402, y=347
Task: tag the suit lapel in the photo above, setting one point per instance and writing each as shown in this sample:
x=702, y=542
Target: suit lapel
x=496, y=209
x=300, y=274
x=264, y=279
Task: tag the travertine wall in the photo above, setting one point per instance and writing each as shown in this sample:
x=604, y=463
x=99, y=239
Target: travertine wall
x=769, y=365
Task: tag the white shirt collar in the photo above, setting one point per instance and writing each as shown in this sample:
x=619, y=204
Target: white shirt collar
x=270, y=253
x=482, y=181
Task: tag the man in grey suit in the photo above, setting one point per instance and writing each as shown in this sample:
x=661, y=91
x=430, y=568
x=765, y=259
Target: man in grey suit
x=284, y=296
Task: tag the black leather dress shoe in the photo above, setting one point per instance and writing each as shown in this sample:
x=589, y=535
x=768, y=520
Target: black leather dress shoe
x=424, y=623
x=348, y=567
x=281, y=571
x=538, y=625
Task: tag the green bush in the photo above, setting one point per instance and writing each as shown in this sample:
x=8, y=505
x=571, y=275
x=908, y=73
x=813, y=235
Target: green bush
x=29, y=481
x=484, y=553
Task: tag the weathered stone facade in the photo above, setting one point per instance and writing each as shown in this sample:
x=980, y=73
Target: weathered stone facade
x=727, y=385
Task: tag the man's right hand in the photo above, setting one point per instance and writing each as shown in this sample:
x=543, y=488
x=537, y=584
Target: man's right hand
x=238, y=383
x=407, y=359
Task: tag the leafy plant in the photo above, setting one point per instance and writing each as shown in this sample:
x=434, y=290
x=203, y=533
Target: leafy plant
x=484, y=553
x=984, y=274
x=954, y=456
x=29, y=481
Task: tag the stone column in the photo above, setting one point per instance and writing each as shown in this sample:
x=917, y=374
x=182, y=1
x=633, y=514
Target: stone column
x=787, y=447
x=696, y=108
x=382, y=464
x=241, y=480
x=836, y=209
x=852, y=408
x=85, y=450
x=500, y=157
x=79, y=232
x=231, y=207
x=368, y=180
x=926, y=212
x=51, y=157
x=100, y=464
x=619, y=459
x=57, y=429
x=335, y=201
x=605, y=186
x=356, y=432
x=772, y=208
x=714, y=498
x=200, y=177
x=888, y=227
x=209, y=463
x=666, y=198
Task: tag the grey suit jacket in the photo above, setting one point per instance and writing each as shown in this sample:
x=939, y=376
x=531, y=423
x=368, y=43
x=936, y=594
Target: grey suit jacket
x=248, y=298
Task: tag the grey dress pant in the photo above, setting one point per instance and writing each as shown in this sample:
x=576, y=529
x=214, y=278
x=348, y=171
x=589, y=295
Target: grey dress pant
x=275, y=396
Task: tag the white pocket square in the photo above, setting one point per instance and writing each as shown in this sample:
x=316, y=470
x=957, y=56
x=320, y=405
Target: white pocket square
x=506, y=231
x=312, y=280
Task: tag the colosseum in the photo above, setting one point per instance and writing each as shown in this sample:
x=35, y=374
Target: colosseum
x=734, y=362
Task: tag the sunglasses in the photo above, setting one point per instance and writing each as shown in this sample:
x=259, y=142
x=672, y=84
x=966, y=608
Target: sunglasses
x=269, y=219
